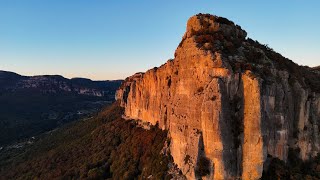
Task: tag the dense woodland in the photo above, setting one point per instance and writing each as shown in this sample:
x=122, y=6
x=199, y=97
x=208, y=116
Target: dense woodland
x=105, y=147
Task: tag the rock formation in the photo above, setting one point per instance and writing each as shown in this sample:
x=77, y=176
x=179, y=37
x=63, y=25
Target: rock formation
x=228, y=102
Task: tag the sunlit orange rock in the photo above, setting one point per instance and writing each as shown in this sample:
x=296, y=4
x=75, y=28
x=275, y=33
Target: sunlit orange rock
x=227, y=99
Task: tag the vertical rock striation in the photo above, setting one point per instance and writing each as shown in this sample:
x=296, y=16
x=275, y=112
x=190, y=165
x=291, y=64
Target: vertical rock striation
x=228, y=102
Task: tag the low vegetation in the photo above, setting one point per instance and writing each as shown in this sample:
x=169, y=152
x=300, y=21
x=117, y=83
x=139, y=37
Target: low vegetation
x=304, y=75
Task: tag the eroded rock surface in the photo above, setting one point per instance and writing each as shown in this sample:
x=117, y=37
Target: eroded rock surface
x=228, y=102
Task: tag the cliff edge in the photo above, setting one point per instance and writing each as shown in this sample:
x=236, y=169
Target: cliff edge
x=228, y=102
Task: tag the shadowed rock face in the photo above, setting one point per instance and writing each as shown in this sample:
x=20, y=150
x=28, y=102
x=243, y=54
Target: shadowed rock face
x=227, y=99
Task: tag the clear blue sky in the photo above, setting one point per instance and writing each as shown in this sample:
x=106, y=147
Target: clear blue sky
x=105, y=39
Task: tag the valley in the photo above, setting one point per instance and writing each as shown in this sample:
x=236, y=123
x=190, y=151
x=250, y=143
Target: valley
x=30, y=106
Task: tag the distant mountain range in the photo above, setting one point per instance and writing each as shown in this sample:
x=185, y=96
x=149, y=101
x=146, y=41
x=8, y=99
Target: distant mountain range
x=30, y=105
x=12, y=82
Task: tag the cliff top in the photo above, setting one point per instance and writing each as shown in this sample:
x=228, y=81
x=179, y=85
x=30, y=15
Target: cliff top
x=217, y=34
x=209, y=24
x=213, y=35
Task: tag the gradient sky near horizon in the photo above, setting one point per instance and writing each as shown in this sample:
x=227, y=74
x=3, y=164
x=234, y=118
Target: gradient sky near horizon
x=104, y=39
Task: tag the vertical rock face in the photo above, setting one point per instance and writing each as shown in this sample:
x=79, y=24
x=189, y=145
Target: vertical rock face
x=228, y=102
x=252, y=146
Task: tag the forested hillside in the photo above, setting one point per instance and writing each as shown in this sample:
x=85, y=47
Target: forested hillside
x=103, y=147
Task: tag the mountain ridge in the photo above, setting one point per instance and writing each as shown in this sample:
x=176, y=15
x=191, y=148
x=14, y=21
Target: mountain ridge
x=17, y=74
x=12, y=81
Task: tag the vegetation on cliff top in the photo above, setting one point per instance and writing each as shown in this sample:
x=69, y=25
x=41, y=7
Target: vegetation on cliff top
x=250, y=54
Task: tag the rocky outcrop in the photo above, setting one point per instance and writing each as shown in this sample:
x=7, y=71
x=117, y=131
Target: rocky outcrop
x=228, y=102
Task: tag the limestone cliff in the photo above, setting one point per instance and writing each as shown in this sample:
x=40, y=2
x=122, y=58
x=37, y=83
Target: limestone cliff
x=228, y=102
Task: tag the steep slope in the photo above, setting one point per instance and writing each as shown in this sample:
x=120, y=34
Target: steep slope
x=227, y=102
x=104, y=147
x=32, y=105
